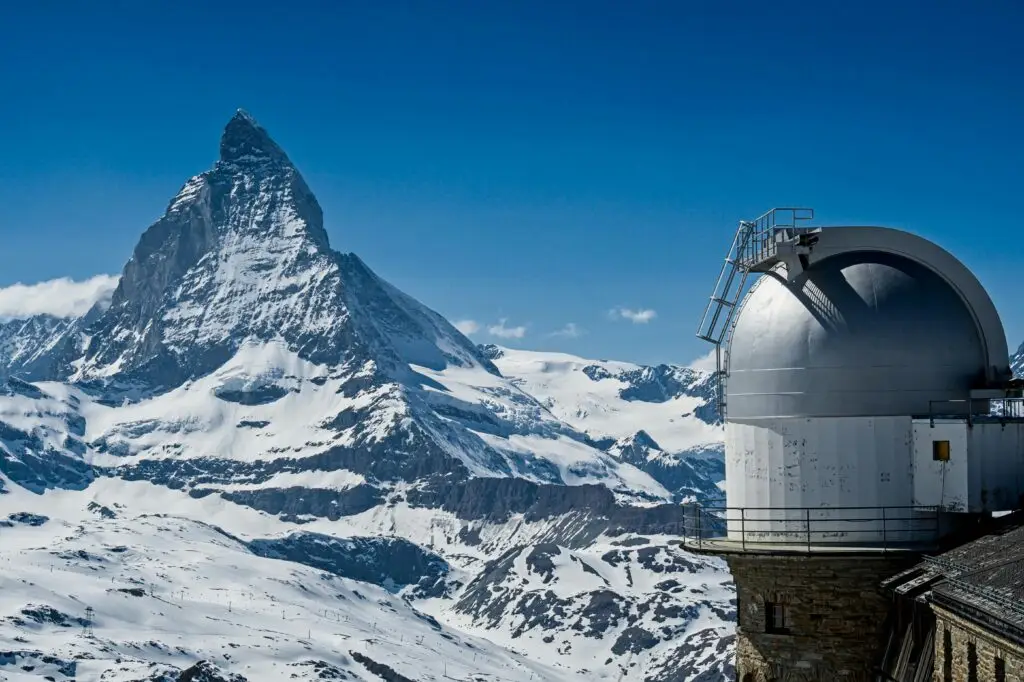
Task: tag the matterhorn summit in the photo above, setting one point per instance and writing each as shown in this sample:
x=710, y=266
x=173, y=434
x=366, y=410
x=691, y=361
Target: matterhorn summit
x=241, y=254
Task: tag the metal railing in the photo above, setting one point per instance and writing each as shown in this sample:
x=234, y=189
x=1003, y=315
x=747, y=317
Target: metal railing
x=706, y=526
x=754, y=242
x=761, y=243
x=972, y=409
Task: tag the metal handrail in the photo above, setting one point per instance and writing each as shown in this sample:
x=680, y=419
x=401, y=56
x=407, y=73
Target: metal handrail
x=761, y=240
x=814, y=525
x=1010, y=408
x=753, y=242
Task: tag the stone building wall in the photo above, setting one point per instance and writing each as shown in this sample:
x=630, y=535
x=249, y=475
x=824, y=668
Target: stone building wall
x=837, y=615
x=988, y=647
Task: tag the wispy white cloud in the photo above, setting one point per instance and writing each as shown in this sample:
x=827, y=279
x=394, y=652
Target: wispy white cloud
x=61, y=297
x=638, y=316
x=467, y=327
x=502, y=331
x=705, y=363
x=570, y=331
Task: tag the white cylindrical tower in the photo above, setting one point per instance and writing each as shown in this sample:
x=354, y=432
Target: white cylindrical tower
x=832, y=354
x=852, y=371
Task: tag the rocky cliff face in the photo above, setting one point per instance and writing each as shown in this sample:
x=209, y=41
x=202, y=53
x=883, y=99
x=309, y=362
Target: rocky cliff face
x=245, y=375
x=33, y=348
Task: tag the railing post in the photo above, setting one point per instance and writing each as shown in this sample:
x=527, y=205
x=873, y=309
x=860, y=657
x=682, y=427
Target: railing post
x=743, y=527
x=808, y=512
x=885, y=543
x=700, y=534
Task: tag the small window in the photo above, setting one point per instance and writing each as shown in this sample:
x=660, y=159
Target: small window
x=940, y=450
x=777, y=618
x=972, y=662
x=947, y=656
x=1000, y=670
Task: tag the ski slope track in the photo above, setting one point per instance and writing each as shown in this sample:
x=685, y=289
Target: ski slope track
x=258, y=460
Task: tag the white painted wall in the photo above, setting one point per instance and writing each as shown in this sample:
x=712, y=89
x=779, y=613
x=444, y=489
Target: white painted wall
x=777, y=469
x=943, y=484
x=998, y=451
x=822, y=464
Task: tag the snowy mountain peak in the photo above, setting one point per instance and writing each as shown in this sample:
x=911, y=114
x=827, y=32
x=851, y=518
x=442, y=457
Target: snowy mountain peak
x=245, y=139
x=641, y=439
x=240, y=252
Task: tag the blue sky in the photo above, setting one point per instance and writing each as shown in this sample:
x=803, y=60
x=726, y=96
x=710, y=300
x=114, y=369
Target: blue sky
x=525, y=162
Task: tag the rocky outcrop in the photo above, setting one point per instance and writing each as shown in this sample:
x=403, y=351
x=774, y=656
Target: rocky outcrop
x=392, y=563
x=384, y=672
x=550, y=594
x=303, y=501
x=205, y=671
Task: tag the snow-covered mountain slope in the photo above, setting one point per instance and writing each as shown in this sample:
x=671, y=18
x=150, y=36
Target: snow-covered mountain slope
x=654, y=612
x=606, y=399
x=638, y=605
x=147, y=597
x=1017, y=362
x=662, y=419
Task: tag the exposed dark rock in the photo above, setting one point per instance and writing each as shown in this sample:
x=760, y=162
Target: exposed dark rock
x=693, y=660
x=37, y=467
x=392, y=563
x=490, y=351
x=386, y=673
x=257, y=395
x=496, y=499
x=28, y=519
x=35, y=659
x=47, y=615
x=634, y=640
x=597, y=373
x=204, y=671
x=297, y=501
x=101, y=510
x=322, y=670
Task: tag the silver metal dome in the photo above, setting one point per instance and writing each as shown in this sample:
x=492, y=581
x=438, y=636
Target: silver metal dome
x=860, y=332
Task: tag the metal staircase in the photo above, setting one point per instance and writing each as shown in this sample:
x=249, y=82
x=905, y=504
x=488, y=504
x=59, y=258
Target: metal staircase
x=755, y=248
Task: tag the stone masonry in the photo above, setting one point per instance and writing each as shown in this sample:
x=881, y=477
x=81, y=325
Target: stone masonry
x=987, y=647
x=836, y=615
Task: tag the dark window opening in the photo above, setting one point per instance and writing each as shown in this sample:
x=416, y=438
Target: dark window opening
x=940, y=450
x=972, y=662
x=1000, y=670
x=947, y=656
x=777, y=618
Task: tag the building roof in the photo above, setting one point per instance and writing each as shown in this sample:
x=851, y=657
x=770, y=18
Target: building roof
x=982, y=580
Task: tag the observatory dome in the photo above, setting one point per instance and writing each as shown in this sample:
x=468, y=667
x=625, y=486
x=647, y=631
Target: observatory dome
x=861, y=333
